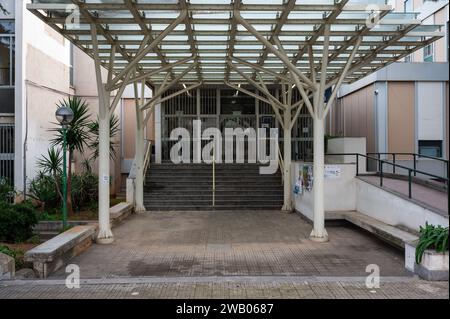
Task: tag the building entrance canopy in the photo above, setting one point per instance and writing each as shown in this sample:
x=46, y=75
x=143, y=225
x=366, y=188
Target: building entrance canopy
x=215, y=33
x=305, y=45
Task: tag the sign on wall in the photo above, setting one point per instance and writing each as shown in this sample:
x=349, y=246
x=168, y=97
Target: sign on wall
x=332, y=171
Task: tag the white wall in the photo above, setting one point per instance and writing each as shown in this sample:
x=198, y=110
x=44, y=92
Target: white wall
x=346, y=145
x=348, y=193
x=430, y=108
x=42, y=79
x=339, y=192
x=393, y=210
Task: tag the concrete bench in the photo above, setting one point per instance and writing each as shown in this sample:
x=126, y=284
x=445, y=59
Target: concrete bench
x=388, y=233
x=7, y=267
x=119, y=212
x=55, y=253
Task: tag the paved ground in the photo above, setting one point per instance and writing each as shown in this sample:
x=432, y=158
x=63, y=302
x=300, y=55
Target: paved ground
x=233, y=244
x=425, y=195
x=224, y=288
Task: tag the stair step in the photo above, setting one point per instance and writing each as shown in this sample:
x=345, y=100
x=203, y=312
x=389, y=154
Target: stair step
x=209, y=208
x=189, y=187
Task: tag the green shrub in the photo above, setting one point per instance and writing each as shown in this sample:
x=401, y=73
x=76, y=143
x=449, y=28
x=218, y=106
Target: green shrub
x=6, y=190
x=431, y=237
x=84, y=190
x=16, y=221
x=42, y=189
x=14, y=253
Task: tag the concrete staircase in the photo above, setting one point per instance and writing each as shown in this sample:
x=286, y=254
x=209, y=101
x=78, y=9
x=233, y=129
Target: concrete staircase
x=189, y=187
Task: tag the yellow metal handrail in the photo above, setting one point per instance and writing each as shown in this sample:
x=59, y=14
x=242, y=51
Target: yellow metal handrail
x=281, y=161
x=147, y=157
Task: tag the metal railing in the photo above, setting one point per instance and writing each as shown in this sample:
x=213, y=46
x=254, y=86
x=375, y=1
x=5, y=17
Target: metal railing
x=7, y=153
x=281, y=162
x=147, y=156
x=411, y=172
x=415, y=157
x=130, y=184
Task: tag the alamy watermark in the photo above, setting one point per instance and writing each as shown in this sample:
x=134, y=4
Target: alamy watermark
x=261, y=147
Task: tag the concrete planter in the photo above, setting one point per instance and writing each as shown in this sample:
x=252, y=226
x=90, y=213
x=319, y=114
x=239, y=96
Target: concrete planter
x=434, y=265
x=7, y=267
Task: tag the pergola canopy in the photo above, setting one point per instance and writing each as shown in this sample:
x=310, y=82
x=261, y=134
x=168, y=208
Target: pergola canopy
x=312, y=45
x=205, y=37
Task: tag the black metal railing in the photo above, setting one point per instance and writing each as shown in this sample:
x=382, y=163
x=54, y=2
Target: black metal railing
x=411, y=171
x=415, y=157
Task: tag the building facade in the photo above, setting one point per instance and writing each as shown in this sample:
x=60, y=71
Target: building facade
x=403, y=108
x=38, y=69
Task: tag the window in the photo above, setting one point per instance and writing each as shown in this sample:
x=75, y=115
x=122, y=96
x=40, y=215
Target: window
x=7, y=53
x=408, y=6
x=235, y=102
x=430, y=148
x=408, y=58
x=428, y=53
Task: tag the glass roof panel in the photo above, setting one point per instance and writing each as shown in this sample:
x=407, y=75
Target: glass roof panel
x=211, y=38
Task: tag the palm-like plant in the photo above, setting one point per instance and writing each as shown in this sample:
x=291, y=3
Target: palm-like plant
x=94, y=131
x=51, y=164
x=77, y=135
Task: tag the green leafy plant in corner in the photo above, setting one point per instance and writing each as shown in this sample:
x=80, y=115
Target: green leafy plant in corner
x=17, y=222
x=431, y=237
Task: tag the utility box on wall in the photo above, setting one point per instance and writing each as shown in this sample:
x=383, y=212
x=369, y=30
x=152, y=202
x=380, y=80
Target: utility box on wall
x=347, y=145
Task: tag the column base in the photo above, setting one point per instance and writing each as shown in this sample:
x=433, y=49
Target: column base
x=140, y=210
x=287, y=209
x=323, y=239
x=105, y=241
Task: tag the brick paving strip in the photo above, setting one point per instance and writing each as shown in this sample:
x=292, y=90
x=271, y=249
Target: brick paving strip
x=266, y=287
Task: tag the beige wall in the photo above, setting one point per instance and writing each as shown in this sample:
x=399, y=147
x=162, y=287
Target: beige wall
x=129, y=125
x=86, y=88
x=354, y=116
x=447, y=116
x=46, y=71
x=401, y=117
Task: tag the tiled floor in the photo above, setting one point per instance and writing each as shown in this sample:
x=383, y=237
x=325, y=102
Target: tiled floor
x=247, y=288
x=233, y=244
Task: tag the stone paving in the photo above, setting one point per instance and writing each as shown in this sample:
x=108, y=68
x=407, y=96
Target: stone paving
x=233, y=244
x=244, y=288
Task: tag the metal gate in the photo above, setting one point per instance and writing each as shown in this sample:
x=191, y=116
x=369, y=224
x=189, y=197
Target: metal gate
x=7, y=153
x=205, y=104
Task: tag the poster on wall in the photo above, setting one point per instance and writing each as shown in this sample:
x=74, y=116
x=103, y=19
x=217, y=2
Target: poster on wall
x=304, y=181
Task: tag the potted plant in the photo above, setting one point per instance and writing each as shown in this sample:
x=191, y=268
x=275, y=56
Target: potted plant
x=430, y=253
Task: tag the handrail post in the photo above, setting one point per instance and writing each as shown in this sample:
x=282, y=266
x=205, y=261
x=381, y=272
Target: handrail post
x=367, y=162
x=381, y=173
x=393, y=159
x=415, y=166
x=214, y=174
x=379, y=162
x=409, y=184
x=357, y=164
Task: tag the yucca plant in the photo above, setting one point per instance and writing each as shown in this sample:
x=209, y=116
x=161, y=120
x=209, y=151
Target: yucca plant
x=431, y=237
x=77, y=136
x=52, y=164
x=114, y=128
